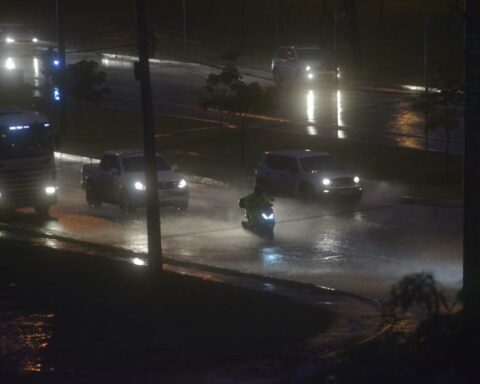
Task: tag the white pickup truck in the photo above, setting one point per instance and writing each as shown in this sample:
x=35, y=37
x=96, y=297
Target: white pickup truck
x=120, y=179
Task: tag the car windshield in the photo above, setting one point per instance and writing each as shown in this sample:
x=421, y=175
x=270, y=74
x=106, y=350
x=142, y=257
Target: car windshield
x=310, y=54
x=14, y=29
x=25, y=141
x=137, y=164
x=319, y=164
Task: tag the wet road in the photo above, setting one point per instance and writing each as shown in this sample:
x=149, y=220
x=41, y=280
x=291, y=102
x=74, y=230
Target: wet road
x=353, y=111
x=361, y=248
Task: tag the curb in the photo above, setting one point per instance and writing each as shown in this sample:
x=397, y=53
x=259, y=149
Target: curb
x=447, y=203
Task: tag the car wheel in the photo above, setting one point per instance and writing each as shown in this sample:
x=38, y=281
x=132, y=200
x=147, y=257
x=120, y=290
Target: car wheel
x=91, y=196
x=276, y=77
x=182, y=207
x=42, y=210
x=126, y=204
x=264, y=185
x=306, y=192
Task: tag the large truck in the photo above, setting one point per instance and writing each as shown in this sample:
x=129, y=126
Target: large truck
x=27, y=161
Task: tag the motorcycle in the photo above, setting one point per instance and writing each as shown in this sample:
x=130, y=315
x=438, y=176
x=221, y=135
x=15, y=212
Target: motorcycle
x=261, y=222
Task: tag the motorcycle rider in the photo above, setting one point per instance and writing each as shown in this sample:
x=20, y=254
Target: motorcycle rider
x=254, y=203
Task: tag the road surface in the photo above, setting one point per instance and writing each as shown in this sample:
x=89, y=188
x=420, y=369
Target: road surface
x=360, y=248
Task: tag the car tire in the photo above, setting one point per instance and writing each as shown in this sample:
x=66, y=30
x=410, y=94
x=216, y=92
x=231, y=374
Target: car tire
x=126, y=204
x=306, y=192
x=91, y=196
x=276, y=77
x=42, y=210
x=264, y=184
x=182, y=207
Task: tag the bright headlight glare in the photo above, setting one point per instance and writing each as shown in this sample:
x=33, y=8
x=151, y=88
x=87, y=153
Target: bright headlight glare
x=9, y=40
x=310, y=76
x=139, y=186
x=182, y=183
x=34, y=40
x=50, y=190
x=10, y=64
x=326, y=181
x=267, y=217
x=356, y=180
x=308, y=68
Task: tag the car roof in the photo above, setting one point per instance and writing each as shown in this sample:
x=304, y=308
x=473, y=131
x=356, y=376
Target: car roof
x=14, y=116
x=127, y=152
x=298, y=153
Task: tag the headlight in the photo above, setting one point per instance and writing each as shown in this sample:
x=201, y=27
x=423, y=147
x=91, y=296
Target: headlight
x=34, y=40
x=182, y=184
x=308, y=68
x=10, y=64
x=326, y=181
x=267, y=217
x=310, y=76
x=139, y=186
x=50, y=190
x=356, y=180
x=9, y=40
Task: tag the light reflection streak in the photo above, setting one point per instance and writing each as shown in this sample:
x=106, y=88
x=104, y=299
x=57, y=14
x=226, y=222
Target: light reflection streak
x=312, y=130
x=340, y=121
x=270, y=256
x=36, y=71
x=311, y=106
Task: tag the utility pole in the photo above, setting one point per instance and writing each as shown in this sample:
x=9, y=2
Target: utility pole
x=242, y=26
x=185, y=23
x=471, y=215
x=153, y=212
x=426, y=25
x=62, y=65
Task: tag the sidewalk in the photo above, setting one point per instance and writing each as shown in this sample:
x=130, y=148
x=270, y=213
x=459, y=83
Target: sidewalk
x=72, y=317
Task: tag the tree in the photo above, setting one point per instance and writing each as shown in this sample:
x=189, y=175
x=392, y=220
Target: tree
x=227, y=92
x=85, y=83
x=443, y=108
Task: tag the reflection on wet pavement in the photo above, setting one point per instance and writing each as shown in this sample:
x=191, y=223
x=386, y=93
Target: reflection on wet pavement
x=24, y=341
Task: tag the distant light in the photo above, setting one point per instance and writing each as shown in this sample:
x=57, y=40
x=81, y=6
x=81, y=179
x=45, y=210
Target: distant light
x=18, y=127
x=56, y=62
x=139, y=186
x=308, y=68
x=34, y=40
x=138, y=261
x=46, y=124
x=326, y=181
x=326, y=191
x=50, y=190
x=341, y=134
x=56, y=94
x=9, y=40
x=312, y=131
x=356, y=180
x=10, y=64
x=310, y=76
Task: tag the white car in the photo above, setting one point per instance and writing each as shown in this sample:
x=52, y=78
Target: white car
x=120, y=179
x=304, y=64
x=16, y=34
x=306, y=173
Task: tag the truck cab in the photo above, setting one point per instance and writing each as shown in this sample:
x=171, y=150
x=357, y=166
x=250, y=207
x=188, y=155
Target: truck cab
x=27, y=163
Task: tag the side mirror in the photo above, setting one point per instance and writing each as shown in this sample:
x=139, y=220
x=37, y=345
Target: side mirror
x=175, y=167
x=57, y=142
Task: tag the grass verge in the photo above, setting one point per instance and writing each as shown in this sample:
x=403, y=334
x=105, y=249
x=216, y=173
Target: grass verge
x=99, y=317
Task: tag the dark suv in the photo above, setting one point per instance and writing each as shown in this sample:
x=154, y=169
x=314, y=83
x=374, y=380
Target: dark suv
x=304, y=64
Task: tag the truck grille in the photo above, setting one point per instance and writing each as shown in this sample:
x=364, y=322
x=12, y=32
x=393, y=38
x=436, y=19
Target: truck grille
x=167, y=185
x=343, y=182
x=24, y=181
